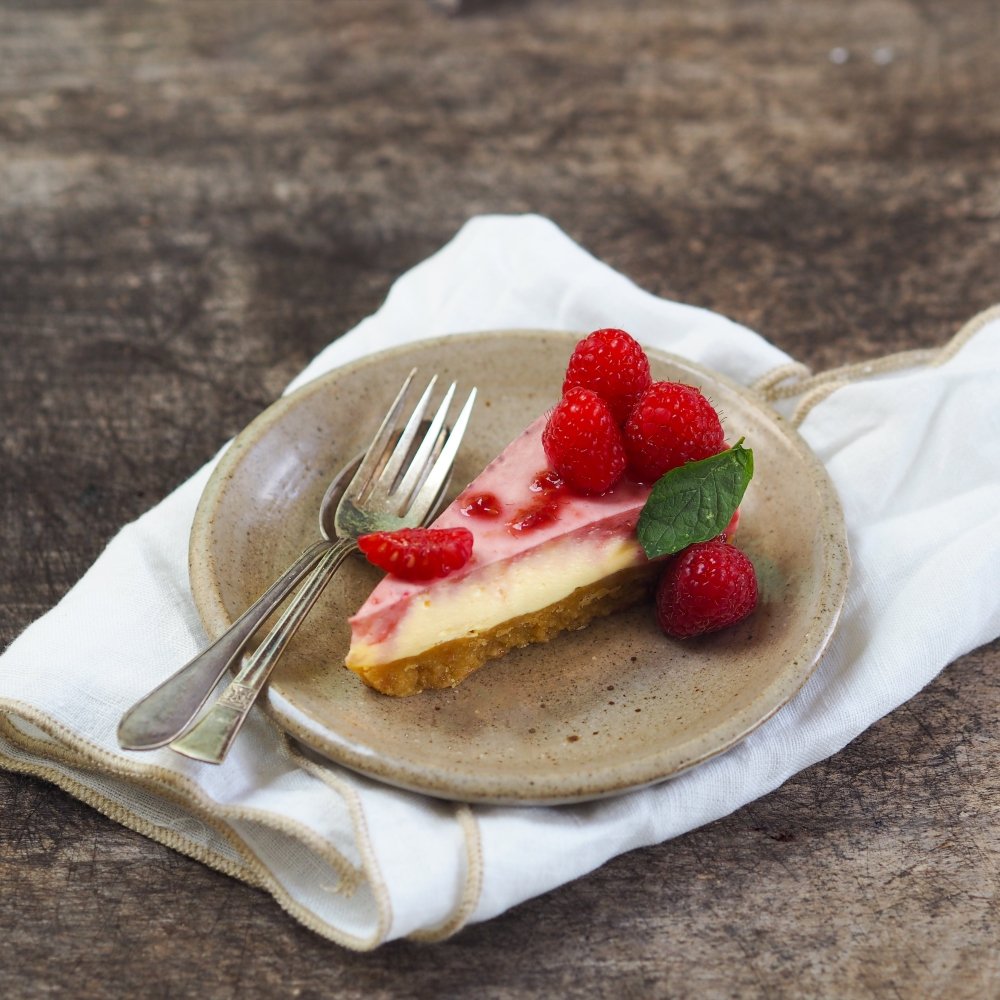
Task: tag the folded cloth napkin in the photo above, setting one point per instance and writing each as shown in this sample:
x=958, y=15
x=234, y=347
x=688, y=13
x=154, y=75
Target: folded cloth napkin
x=921, y=497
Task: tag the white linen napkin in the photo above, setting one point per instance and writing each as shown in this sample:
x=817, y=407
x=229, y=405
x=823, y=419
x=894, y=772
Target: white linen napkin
x=912, y=444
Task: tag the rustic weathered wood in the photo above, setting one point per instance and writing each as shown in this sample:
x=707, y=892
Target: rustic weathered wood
x=195, y=197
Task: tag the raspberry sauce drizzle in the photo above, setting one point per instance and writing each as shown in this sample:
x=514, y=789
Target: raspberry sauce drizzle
x=550, y=494
x=481, y=505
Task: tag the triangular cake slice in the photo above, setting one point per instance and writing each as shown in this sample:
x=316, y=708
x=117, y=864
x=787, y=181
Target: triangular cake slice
x=544, y=560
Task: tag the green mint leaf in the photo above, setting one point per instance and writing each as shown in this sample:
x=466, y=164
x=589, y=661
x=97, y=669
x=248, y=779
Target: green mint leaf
x=694, y=502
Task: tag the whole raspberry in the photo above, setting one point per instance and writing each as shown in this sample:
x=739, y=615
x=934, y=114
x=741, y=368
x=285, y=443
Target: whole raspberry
x=671, y=424
x=612, y=364
x=707, y=586
x=418, y=553
x=583, y=443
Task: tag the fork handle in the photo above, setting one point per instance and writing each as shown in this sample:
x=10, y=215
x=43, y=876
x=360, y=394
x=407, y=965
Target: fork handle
x=168, y=710
x=210, y=738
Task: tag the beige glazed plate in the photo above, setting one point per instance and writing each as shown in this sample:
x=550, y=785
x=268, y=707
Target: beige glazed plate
x=593, y=713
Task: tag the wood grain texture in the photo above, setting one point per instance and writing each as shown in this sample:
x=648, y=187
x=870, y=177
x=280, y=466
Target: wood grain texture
x=196, y=196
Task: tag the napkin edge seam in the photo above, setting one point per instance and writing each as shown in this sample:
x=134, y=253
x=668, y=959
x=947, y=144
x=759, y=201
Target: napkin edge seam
x=256, y=873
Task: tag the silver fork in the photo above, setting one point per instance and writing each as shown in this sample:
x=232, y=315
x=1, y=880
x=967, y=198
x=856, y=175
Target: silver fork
x=390, y=490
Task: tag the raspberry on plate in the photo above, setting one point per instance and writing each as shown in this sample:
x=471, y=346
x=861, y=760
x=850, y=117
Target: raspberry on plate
x=612, y=364
x=671, y=424
x=583, y=443
x=418, y=553
x=708, y=586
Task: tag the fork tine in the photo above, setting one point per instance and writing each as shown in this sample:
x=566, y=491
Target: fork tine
x=430, y=448
x=375, y=455
x=427, y=491
x=385, y=484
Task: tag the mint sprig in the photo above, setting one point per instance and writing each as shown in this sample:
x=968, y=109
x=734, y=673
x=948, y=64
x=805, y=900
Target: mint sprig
x=694, y=502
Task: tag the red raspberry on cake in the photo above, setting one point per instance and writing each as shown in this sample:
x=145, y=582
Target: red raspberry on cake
x=583, y=443
x=706, y=587
x=671, y=424
x=612, y=364
x=418, y=553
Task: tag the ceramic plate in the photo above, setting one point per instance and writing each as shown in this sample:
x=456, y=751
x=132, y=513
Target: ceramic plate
x=612, y=707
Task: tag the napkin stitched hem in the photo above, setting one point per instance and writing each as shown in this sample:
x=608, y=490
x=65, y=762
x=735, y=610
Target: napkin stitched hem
x=469, y=825
x=782, y=384
x=76, y=753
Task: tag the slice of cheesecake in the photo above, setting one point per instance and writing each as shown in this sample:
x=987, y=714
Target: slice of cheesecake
x=544, y=560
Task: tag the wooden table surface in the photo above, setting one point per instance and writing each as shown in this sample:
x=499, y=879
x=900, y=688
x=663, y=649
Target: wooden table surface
x=198, y=195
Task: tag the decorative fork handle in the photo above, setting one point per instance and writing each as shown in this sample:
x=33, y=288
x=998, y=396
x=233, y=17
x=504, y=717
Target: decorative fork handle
x=210, y=738
x=165, y=713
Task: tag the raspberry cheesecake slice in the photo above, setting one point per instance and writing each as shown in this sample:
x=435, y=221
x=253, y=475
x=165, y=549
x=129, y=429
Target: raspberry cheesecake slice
x=544, y=539
x=545, y=558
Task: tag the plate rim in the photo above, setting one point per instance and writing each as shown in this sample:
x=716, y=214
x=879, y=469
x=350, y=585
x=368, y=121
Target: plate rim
x=596, y=783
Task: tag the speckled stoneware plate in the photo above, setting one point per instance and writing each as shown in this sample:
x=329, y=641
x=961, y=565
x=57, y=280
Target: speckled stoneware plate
x=593, y=713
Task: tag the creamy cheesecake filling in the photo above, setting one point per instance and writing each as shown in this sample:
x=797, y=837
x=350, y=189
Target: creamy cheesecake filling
x=485, y=598
x=450, y=663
